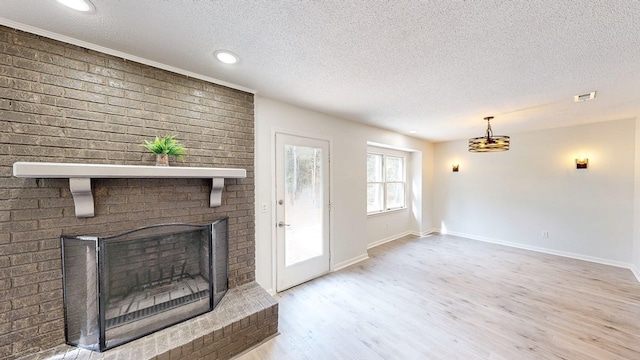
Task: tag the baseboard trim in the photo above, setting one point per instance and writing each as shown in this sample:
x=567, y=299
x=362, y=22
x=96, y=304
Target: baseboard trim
x=570, y=255
x=389, y=239
x=429, y=232
x=635, y=272
x=271, y=292
x=344, y=264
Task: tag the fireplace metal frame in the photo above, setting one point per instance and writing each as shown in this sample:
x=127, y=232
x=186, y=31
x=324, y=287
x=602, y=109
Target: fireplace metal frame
x=215, y=229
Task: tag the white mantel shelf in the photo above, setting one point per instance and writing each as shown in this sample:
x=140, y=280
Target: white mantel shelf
x=80, y=176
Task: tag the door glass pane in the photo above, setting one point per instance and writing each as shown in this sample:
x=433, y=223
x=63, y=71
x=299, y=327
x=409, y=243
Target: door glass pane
x=304, y=200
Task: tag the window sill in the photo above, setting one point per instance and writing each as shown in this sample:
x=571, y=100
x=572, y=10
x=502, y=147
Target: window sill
x=385, y=212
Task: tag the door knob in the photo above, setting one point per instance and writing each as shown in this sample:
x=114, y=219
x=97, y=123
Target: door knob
x=282, y=224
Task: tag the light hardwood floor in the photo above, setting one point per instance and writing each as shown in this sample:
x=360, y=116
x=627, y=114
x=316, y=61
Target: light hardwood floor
x=445, y=297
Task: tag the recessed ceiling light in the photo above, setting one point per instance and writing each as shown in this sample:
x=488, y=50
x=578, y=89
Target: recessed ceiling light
x=413, y=131
x=80, y=5
x=227, y=57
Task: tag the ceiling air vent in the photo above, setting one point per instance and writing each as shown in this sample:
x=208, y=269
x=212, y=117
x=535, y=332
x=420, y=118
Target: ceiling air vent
x=585, y=97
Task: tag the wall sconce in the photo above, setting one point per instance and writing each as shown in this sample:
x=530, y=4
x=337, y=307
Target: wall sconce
x=455, y=167
x=582, y=162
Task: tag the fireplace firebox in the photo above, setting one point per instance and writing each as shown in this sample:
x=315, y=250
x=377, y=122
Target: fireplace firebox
x=122, y=287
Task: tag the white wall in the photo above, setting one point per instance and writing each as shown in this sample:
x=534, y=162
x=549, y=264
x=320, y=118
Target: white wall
x=348, y=173
x=508, y=197
x=511, y=197
x=636, y=212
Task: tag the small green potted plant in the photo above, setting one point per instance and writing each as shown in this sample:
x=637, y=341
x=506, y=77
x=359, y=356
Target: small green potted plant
x=165, y=147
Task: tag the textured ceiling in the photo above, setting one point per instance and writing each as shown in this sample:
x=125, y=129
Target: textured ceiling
x=435, y=66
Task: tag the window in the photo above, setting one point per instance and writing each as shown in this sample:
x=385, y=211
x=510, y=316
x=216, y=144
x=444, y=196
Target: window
x=385, y=183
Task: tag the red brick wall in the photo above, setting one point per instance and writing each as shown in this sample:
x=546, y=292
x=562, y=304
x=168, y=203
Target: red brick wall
x=63, y=103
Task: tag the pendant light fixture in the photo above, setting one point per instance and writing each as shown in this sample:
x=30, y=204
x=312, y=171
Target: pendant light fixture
x=489, y=142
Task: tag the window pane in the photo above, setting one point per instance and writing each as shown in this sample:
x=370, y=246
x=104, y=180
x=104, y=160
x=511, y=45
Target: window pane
x=374, y=167
x=374, y=197
x=394, y=168
x=395, y=195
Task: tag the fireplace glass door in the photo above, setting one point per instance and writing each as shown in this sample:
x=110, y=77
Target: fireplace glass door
x=122, y=287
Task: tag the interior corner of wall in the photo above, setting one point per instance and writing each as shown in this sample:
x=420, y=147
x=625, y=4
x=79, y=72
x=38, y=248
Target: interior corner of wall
x=636, y=203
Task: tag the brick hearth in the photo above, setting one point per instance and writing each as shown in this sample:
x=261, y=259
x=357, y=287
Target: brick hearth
x=244, y=317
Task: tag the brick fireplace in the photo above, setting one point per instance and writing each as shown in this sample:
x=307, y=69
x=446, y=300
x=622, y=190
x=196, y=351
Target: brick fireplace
x=63, y=103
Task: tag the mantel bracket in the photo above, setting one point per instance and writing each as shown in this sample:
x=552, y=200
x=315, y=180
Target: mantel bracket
x=82, y=196
x=217, y=185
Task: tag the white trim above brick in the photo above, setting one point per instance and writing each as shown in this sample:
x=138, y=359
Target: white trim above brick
x=80, y=176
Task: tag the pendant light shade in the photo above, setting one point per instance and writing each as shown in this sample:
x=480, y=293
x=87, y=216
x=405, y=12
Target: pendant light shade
x=489, y=142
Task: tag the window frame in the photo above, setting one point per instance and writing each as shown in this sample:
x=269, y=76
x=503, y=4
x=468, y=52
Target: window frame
x=384, y=182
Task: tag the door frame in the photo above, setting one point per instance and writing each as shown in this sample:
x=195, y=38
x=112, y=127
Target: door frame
x=273, y=176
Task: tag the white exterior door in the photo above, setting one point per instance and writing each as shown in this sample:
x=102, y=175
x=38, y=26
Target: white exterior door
x=302, y=209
